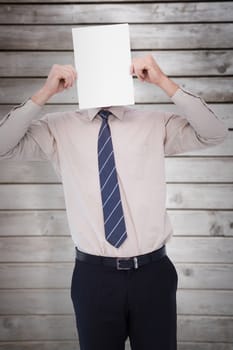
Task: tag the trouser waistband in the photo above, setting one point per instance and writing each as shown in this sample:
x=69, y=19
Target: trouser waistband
x=122, y=263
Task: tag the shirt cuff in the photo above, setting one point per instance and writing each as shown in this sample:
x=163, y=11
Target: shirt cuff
x=180, y=94
x=32, y=105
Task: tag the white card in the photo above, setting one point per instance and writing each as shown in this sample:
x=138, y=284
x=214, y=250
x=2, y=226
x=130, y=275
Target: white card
x=102, y=60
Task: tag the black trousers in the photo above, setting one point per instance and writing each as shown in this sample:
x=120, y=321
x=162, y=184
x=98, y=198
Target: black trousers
x=111, y=305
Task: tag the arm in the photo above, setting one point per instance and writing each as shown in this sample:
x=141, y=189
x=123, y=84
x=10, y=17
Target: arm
x=16, y=140
x=24, y=137
x=198, y=126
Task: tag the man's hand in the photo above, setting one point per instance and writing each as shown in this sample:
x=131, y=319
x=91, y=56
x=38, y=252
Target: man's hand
x=60, y=77
x=146, y=69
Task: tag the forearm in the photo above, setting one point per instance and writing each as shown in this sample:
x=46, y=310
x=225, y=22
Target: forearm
x=14, y=125
x=41, y=97
x=168, y=85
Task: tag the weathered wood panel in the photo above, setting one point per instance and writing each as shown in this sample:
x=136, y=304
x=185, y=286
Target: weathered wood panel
x=84, y=1
x=46, y=327
x=58, y=275
x=202, y=222
x=52, y=249
x=211, y=89
x=215, y=223
x=204, y=302
x=204, y=169
x=73, y=345
x=205, y=328
x=178, y=169
x=203, y=346
x=53, y=345
x=207, y=62
x=58, y=301
x=62, y=327
x=46, y=345
x=47, y=275
x=34, y=223
x=188, y=196
x=179, y=196
x=32, y=196
x=143, y=36
x=131, y=13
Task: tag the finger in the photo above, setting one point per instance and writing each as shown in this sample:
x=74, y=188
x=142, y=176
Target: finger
x=69, y=77
x=74, y=75
x=72, y=69
x=74, y=72
x=66, y=77
x=139, y=73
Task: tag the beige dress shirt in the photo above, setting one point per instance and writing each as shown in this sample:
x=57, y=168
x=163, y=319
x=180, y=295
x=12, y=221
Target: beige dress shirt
x=141, y=138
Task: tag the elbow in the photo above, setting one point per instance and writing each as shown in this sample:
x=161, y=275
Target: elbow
x=215, y=139
x=7, y=152
x=4, y=154
x=223, y=133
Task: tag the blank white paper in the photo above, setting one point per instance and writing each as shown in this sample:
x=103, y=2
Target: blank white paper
x=102, y=60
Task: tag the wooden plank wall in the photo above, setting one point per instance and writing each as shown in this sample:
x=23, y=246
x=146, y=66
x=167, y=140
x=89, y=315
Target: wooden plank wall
x=192, y=42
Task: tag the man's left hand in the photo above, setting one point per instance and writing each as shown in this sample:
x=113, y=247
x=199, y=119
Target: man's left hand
x=146, y=69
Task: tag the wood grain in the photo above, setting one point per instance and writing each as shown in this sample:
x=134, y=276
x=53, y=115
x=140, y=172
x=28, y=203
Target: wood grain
x=143, y=36
x=131, y=13
x=82, y=1
x=182, y=62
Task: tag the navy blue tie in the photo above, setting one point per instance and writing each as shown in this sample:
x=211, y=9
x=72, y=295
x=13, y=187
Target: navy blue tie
x=114, y=223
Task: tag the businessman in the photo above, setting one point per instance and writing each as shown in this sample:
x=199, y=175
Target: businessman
x=110, y=161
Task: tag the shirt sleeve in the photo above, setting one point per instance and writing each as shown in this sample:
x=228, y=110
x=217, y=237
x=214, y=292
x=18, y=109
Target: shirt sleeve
x=25, y=137
x=195, y=128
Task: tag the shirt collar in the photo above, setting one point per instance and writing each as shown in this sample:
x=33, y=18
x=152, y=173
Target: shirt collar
x=118, y=111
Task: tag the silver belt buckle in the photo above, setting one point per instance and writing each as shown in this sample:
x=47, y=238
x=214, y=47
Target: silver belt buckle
x=135, y=260
x=127, y=268
x=118, y=264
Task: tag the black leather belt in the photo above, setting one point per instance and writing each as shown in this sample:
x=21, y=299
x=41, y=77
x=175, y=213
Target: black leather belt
x=122, y=263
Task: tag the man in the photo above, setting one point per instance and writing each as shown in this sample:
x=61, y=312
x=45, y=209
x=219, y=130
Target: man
x=111, y=164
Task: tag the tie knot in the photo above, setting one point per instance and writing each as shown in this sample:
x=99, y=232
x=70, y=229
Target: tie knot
x=104, y=113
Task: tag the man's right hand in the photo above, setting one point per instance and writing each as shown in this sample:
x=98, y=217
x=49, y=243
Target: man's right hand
x=60, y=77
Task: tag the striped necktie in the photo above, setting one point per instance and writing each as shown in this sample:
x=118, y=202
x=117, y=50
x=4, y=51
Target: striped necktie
x=114, y=223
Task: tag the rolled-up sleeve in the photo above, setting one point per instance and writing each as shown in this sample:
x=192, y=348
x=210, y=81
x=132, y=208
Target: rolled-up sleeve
x=23, y=136
x=195, y=127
